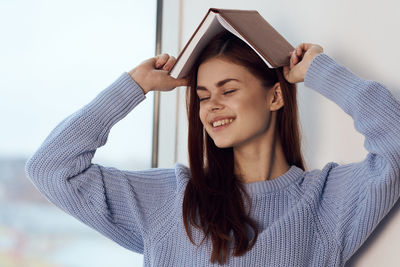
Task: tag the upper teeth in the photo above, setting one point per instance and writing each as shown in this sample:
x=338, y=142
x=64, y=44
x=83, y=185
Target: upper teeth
x=223, y=122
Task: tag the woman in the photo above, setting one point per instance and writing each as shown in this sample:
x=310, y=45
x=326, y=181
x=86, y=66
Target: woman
x=292, y=217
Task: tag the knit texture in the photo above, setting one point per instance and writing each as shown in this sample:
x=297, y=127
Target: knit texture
x=307, y=218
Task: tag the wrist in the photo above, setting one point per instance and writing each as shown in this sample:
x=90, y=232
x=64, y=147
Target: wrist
x=139, y=79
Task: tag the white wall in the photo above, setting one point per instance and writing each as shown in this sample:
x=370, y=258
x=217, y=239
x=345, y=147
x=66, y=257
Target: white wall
x=363, y=36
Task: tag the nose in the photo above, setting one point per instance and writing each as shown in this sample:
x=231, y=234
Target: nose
x=215, y=104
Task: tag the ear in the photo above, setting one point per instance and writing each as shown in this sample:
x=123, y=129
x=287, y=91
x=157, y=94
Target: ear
x=277, y=98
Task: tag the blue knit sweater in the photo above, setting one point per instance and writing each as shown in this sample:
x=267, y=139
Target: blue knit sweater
x=307, y=218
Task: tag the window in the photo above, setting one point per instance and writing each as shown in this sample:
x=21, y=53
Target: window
x=56, y=56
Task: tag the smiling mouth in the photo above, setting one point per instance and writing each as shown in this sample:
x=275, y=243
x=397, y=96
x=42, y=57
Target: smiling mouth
x=221, y=124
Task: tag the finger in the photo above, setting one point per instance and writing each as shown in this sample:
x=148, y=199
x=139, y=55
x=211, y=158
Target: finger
x=182, y=82
x=293, y=60
x=168, y=65
x=299, y=51
x=302, y=48
x=287, y=73
x=179, y=82
x=161, y=59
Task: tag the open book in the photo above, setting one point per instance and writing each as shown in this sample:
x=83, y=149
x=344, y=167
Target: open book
x=248, y=25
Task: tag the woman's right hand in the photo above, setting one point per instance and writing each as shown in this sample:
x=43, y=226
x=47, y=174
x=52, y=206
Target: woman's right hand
x=152, y=74
x=300, y=60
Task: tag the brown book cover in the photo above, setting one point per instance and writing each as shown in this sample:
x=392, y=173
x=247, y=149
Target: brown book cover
x=248, y=25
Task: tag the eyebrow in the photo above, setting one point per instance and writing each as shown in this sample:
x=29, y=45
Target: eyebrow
x=218, y=84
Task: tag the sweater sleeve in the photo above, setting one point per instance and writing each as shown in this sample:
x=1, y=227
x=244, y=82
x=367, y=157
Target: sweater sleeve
x=357, y=196
x=116, y=203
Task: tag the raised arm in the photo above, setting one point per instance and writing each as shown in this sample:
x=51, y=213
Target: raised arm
x=357, y=196
x=114, y=202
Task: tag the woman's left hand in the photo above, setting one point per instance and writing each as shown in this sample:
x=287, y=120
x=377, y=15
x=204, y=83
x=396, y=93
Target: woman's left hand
x=300, y=59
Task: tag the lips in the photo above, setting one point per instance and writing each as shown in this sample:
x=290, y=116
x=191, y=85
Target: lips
x=220, y=118
x=221, y=127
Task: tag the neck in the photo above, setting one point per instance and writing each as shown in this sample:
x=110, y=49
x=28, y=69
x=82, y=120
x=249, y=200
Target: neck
x=260, y=160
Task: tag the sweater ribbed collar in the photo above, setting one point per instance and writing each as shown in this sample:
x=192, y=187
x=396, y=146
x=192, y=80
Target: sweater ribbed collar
x=289, y=177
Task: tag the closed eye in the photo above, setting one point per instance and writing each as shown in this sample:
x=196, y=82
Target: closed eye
x=231, y=91
x=227, y=92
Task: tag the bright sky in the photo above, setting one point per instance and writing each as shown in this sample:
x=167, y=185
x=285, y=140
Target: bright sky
x=55, y=56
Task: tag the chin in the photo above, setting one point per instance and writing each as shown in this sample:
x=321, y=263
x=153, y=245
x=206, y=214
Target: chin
x=221, y=141
x=222, y=144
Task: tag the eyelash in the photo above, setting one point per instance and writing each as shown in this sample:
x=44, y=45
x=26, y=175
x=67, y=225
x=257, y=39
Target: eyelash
x=227, y=92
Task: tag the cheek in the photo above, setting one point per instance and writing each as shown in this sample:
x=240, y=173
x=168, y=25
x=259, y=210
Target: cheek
x=244, y=108
x=253, y=112
x=202, y=116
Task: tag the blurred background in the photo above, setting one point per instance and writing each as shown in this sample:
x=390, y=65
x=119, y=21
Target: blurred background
x=56, y=56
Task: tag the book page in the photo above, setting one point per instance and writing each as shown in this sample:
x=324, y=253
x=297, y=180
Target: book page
x=205, y=33
x=227, y=26
x=211, y=26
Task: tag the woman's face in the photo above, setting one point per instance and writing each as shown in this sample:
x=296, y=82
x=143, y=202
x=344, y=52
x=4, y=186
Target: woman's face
x=229, y=91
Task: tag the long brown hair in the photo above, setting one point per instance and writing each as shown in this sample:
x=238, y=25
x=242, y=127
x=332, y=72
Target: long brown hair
x=214, y=192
